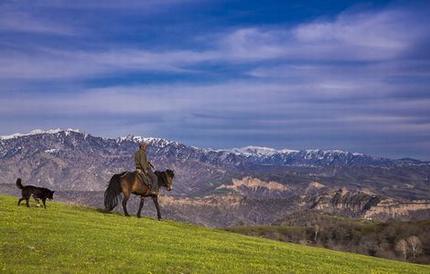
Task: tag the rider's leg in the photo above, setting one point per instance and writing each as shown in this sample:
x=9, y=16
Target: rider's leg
x=154, y=181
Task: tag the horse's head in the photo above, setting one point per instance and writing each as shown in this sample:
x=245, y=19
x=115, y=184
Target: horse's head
x=169, y=179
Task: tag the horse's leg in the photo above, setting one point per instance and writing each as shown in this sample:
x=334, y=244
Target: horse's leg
x=124, y=202
x=140, y=206
x=157, y=206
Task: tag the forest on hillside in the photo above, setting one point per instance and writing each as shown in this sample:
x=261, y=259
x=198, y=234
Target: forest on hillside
x=406, y=241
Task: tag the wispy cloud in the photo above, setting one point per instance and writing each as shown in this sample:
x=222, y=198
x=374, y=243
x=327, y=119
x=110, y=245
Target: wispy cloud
x=60, y=64
x=358, y=36
x=364, y=36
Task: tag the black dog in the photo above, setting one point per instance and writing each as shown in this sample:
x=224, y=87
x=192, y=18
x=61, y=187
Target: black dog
x=37, y=192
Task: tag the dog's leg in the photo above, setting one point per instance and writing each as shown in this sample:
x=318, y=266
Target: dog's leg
x=37, y=201
x=27, y=200
x=43, y=201
x=20, y=200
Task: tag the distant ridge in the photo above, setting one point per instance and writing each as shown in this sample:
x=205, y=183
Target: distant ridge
x=247, y=151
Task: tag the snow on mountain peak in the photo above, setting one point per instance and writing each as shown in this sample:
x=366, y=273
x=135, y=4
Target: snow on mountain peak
x=258, y=151
x=150, y=140
x=288, y=151
x=267, y=151
x=39, y=131
x=252, y=150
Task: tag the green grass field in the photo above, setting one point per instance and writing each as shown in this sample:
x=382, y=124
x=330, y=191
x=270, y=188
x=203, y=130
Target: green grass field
x=71, y=239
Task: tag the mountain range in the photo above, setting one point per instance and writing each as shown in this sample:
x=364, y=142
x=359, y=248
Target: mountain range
x=222, y=187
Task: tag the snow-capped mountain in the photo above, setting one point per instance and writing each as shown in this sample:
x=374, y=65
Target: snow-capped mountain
x=265, y=181
x=38, y=132
x=249, y=155
x=308, y=157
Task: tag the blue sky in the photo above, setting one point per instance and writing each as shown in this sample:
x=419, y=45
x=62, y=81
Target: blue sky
x=346, y=75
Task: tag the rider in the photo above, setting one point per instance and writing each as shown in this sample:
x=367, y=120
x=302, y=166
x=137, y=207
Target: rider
x=143, y=166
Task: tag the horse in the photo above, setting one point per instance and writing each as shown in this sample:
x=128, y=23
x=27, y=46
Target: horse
x=128, y=183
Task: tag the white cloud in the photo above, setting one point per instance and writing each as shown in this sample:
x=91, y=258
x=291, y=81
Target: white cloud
x=58, y=64
x=251, y=44
x=362, y=36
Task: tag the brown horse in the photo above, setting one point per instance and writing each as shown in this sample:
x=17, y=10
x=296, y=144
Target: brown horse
x=127, y=183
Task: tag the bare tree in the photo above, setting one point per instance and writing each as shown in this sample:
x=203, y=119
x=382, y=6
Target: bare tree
x=403, y=248
x=415, y=245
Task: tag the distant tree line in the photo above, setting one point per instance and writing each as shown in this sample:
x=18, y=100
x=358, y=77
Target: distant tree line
x=407, y=241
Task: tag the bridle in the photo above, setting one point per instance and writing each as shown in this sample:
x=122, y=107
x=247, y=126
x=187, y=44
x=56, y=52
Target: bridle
x=164, y=178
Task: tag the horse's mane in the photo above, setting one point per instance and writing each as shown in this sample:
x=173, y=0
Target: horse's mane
x=163, y=175
x=170, y=172
x=122, y=173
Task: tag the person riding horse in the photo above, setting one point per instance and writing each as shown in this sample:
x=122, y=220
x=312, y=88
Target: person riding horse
x=144, y=168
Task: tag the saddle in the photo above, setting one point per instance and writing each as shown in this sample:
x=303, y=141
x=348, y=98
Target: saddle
x=144, y=178
x=141, y=176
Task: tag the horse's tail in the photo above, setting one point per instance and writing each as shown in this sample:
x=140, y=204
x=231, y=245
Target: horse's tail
x=113, y=191
x=19, y=183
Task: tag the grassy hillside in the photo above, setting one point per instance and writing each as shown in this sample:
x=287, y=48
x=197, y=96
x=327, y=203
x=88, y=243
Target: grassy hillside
x=67, y=239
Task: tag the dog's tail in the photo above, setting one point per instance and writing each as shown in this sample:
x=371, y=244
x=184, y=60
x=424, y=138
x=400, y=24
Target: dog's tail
x=19, y=183
x=113, y=191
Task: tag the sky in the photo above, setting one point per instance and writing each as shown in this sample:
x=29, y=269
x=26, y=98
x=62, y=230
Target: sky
x=348, y=75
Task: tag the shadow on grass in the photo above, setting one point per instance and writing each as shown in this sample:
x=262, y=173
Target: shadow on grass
x=104, y=211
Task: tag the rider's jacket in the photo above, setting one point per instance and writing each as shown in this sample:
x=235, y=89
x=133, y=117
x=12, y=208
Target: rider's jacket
x=141, y=160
